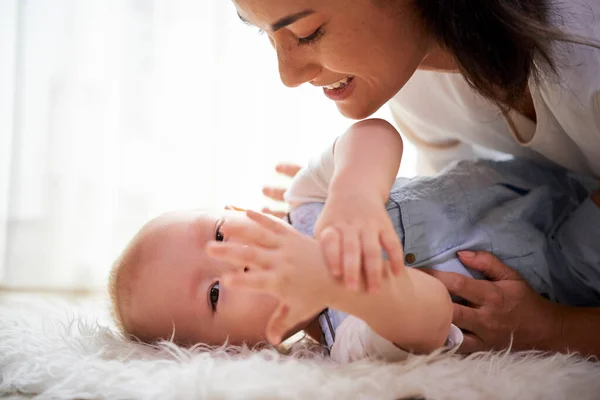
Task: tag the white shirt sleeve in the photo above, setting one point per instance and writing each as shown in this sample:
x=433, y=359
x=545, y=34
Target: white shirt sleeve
x=311, y=184
x=355, y=340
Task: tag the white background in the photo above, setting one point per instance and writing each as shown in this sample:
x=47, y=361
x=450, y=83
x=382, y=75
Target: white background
x=113, y=111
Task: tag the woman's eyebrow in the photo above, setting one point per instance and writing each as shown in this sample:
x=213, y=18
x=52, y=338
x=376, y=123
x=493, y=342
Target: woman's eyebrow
x=285, y=21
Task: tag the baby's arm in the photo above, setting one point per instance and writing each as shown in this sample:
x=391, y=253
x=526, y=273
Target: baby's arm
x=366, y=160
x=354, y=226
x=412, y=310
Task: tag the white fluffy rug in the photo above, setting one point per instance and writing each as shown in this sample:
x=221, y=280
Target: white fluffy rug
x=62, y=350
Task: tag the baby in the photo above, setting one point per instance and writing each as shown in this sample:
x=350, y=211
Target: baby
x=176, y=280
x=166, y=286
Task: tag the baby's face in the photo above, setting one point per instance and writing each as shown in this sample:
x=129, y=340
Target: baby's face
x=175, y=286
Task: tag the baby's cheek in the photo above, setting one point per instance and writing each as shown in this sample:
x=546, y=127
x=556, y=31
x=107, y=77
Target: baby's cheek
x=256, y=308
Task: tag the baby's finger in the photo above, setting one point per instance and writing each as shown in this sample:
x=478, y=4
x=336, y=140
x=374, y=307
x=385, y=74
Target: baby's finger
x=329, y=241
x=275, y=213
x=272, y=224
x=276, y=327
x=249, y=232
x=391, y=243
x=372, y=262
x=273, y=193
x=239, y=254
x=288, y=169
x=257, y=280
x=351, y=258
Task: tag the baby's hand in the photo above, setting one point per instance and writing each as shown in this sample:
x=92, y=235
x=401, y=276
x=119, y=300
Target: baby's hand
x=283, y=262
x=352, y=232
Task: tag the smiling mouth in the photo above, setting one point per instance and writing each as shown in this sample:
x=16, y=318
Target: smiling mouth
x=342, y=83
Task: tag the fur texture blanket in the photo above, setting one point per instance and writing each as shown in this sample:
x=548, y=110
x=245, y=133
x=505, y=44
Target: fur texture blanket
x=56, y=349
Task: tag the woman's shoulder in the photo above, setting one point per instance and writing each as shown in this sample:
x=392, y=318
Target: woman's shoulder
x=579, y=18
x=577, y=64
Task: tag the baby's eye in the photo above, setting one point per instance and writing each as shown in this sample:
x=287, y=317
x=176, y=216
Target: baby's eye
x=213, y=296
x=218, y=234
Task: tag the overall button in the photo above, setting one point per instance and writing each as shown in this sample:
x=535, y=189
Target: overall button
x=410, y=258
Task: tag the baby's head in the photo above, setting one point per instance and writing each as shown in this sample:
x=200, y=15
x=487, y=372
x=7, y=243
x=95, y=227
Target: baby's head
x=165, y=285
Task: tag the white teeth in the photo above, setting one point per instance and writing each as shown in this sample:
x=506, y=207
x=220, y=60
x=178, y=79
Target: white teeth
x=338, y=84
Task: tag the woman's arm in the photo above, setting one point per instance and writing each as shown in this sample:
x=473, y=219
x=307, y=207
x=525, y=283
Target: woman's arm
x=576, y=330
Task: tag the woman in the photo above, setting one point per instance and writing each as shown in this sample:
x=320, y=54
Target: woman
x=464, y=79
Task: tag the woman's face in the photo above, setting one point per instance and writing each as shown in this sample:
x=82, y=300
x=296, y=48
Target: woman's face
x=367, y=48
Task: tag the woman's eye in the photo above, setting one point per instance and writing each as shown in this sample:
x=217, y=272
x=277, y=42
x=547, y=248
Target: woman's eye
x=316, y=35
x=213, y=296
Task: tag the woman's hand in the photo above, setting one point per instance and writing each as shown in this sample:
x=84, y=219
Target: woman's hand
x=352, y=230
x=502, y=309
x=276, y=193
x=282, y=262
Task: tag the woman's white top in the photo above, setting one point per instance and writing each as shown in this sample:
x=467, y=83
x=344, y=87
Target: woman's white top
x=446, y=120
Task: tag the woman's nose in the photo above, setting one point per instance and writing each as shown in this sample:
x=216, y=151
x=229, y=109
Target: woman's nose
x=294, y=69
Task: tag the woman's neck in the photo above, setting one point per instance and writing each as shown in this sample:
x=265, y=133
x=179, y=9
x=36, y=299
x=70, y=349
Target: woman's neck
x=439, y=60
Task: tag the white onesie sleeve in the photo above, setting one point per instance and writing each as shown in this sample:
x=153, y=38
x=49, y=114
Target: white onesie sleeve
x=355, y=340
x=311, y=184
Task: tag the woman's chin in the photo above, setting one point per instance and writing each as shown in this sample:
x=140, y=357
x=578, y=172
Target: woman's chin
x=352, y=110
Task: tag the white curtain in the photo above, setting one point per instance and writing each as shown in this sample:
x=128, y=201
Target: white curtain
x=113, y=111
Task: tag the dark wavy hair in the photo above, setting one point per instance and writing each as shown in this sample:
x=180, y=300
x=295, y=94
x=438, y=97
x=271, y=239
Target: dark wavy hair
x=498, y=45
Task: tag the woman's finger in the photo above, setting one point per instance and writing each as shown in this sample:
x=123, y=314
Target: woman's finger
x=371, y=258
x=489, y=265
x=329, y=241
x=274, y=193
x=288, y=169
x=392, y=246
x=471, y=344
x=466, y=318
x=274, y=225
x=239, y=254
x=472, y=290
